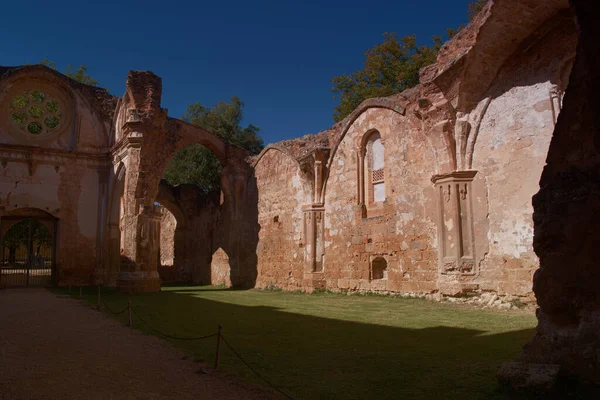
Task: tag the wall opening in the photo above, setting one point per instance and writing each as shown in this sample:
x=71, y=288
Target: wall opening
x=27, y=250
x=379, y=268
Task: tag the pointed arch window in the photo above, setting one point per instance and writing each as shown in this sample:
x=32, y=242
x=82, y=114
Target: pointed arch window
x=372, y=170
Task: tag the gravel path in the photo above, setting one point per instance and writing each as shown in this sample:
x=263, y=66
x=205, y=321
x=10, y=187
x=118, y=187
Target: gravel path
x=58, y=348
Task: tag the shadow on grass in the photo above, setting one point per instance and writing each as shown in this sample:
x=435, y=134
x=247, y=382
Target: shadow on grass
x=314, y=357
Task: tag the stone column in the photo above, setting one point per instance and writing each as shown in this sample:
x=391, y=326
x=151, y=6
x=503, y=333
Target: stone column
x=456, y=242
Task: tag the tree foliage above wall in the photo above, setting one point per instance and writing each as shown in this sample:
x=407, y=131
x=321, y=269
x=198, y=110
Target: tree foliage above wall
x=79, y=74
x=196, y=164
x=390, y=67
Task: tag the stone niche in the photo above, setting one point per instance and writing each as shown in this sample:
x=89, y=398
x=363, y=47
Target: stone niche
x=456, y=241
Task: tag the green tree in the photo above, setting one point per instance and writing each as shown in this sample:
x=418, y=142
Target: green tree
x=196, y=164
x=79, y=74
x=390, y=67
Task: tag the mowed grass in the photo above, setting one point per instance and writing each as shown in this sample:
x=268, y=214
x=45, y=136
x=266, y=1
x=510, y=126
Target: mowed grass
x=333, y=346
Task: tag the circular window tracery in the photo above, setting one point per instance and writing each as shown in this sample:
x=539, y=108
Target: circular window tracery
x=35, y=112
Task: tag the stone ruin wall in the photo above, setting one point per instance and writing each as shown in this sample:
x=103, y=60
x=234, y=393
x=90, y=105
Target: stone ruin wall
x=311, y=177
x=516, y=118
x=511, y=150
x=65, y=174
x=401, y=229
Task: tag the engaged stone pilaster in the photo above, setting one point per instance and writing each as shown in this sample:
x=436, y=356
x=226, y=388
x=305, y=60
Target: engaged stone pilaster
x=456, y=242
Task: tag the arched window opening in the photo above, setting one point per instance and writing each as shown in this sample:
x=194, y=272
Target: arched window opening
x=371, y=170
x=379, y=268
x=376, y=164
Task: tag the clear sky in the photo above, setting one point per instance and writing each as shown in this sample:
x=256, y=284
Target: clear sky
x=277, y=56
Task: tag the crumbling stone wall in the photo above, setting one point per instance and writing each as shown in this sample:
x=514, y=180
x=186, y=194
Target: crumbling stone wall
x=511, y=147
x=281, y=196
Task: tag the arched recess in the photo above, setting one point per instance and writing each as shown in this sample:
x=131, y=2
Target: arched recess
x=307, y=181
x=116, y=210
x=174, y=236
x=439, y=148
x=220, y=270
x=285, y=240
x=28, y=248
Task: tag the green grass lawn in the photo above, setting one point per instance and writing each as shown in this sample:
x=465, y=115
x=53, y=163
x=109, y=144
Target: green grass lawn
x=333, y=346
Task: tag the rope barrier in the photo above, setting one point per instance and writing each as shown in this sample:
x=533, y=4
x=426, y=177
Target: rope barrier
x=219, y=334
x=113, y=312
x=170, y=336
x=255, y=371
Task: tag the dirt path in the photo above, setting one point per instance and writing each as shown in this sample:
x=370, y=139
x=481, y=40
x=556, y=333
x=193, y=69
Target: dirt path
x=57, y=348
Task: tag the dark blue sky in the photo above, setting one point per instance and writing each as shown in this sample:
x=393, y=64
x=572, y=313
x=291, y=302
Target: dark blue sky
x=277, y=56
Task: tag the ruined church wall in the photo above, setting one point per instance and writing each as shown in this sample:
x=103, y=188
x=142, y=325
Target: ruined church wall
x=70, y=192
x=281, y=196
x=402, y=230
x=510, y=153
x=54, y=157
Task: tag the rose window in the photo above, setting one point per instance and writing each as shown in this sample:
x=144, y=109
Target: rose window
x=35, y=112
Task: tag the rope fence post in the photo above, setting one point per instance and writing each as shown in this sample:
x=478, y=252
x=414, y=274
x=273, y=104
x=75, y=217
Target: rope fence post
x=218, y=346
x=129, y=312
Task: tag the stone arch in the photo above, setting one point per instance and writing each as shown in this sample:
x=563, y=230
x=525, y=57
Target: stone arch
x=160, y=147
x=220, y=269
x=306, y=175
x=379, y=267
x=398, y=106
x=271, y=147
x=29, y=236
x=371, y=166
x=174, y=232
x=559, y=31
x=149, y=140
x=30, y=212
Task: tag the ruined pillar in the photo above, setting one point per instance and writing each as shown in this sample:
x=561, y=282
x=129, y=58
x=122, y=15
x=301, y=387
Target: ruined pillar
x=140, y=227
x=140, y=253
